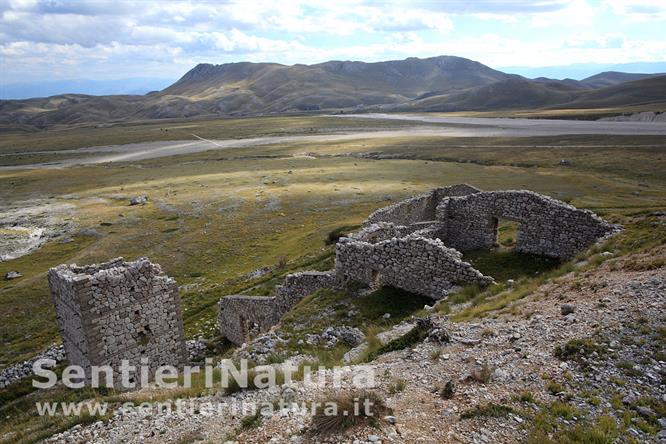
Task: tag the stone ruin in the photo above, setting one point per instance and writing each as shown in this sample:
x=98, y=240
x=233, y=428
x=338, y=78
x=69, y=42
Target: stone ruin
x=242, y=316
x=130, y=310
x=416, y=245
x=118, y=311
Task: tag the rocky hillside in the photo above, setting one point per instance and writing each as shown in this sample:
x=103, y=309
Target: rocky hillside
x=573, y=355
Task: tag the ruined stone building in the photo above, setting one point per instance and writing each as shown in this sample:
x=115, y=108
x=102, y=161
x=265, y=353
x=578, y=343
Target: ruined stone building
x=118, y=311
x=130, y=310
x=416, y=245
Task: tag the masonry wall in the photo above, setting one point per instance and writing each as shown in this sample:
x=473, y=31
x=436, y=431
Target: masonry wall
x=382, y=231
x=419, y=208
x=118, y=310
x=296, y=286
x=413, y=263
x=242, y=316
x=547, y=226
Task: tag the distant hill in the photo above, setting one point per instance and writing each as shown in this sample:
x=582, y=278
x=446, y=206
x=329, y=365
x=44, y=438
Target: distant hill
x=515, y=92
x=651, y=90
x=444, y=83
x=610, y=78
x=579, y=71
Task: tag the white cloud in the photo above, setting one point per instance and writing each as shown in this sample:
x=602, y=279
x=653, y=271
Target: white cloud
x=638, y=10
x=115, y=38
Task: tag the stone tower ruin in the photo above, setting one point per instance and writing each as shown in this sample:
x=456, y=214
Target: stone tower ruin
x=118, y=311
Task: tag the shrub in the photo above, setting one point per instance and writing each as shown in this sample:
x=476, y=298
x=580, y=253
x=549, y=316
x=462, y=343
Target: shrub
x=340, y=412
x=251, y=421
x=334, y=235
x=488, y=410
x=576, y=349
x=554, y=388
x=526, y=397
x=397, y=386
x=448, y=390
x=414, y=336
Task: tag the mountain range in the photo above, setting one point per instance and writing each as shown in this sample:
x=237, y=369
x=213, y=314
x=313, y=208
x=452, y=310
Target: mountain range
x=444, y=83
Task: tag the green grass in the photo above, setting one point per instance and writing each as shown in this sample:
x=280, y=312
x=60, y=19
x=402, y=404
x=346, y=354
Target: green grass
x=414, y=336
x=508, y=264
x=577, y=349
x=490, y=410
x=306, y=318
x=209, y=223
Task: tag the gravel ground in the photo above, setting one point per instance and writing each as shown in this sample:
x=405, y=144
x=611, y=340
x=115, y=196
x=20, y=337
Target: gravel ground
x=621, y=312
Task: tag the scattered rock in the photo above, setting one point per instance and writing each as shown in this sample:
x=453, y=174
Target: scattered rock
x=20, y=370
x=645, y=412
x=12, y=275
x=567, y=309
x=439, y=335
x=139, y=200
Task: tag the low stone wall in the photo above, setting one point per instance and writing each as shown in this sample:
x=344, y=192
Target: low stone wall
x=296, y=286
x=240, y=316
x=547, y=227
x=412, y=263
x=118, y=311
x=382, y=231
x=243, y=316
x=419, y=208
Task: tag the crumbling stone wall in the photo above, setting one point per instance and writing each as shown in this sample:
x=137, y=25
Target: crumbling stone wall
x=381, y=231
x=413, y=263
x=547, y=227
x=118, y=310
x=414, y=245
x=296, y=286
x=243, y=316
x=419, y=208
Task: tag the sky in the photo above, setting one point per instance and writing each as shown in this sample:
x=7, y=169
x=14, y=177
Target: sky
x=46, y=40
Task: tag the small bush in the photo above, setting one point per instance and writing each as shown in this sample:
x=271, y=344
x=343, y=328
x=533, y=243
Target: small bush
x=414, y=336
x=576, y=349
x=448, y=390
x=564, y=410
x=526, y=397
x=251, y=421
x=554, y=388
x=488, y=410
x=397, y=386
x=349, y=410
x=334, y=236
